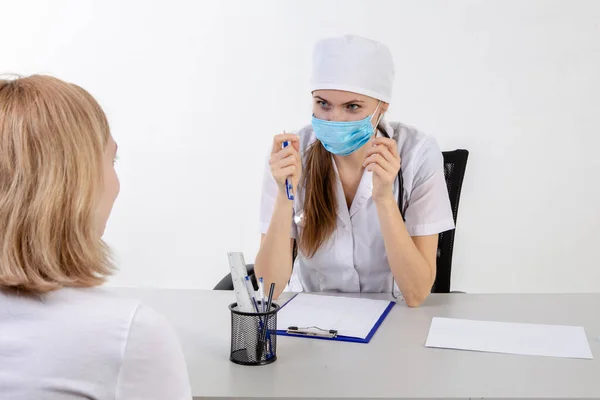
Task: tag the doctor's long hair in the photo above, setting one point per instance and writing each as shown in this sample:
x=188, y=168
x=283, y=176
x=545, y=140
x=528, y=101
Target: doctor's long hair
x=320, y=204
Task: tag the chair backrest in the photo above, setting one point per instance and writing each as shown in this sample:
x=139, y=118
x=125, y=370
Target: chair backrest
x=455, y=164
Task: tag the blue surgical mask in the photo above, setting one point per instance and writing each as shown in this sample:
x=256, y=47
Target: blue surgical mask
x=344, y=138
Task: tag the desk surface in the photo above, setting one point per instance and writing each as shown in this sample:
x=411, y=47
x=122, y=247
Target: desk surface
x=396, y=364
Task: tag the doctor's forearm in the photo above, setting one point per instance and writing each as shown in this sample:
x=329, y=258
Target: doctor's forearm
x=274, y=259
x=409, y=267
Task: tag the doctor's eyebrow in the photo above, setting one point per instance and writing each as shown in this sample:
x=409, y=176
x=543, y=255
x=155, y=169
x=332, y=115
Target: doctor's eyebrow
x=355, y=101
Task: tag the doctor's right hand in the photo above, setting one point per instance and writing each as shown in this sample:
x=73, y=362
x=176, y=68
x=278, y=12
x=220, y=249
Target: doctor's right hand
x=286, y=162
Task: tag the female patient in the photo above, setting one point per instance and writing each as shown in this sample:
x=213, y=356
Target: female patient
x=60, y=336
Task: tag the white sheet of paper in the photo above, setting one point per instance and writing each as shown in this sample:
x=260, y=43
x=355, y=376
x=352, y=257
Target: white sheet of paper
x=508, y=337
x=354, y=317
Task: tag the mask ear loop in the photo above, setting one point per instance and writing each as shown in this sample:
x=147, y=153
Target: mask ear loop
x=379, y=119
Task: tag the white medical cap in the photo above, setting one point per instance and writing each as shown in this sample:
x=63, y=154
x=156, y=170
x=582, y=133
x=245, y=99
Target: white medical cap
x=353, y=64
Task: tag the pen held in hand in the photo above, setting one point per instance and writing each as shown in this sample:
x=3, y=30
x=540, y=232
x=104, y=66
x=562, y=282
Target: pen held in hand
x=289, y=189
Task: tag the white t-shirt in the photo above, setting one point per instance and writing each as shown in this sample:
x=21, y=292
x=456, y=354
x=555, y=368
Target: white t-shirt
x=354, y=258
x=87, y=344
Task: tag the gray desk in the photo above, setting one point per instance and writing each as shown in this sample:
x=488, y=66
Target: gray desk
x=395, y=364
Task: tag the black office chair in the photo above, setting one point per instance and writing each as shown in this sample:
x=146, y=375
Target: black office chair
x=227, y=283
x=455, y=164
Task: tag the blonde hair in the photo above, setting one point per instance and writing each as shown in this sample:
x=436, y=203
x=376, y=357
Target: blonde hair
x=52, y=140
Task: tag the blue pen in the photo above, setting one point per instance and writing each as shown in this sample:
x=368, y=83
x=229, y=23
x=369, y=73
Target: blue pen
x=261, y=294
x=251, y=294
x=289, y=189
x=261, y=325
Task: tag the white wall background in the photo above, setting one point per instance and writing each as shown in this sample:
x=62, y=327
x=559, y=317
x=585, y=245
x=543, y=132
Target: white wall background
x=195, y=90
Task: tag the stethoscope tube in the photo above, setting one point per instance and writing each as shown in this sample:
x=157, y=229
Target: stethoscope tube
x=400, y=183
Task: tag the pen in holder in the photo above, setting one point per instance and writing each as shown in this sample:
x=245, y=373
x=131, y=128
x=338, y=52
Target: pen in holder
x=253, y=337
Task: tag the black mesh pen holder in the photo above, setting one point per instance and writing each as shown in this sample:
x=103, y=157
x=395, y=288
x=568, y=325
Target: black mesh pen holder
x=253, y=337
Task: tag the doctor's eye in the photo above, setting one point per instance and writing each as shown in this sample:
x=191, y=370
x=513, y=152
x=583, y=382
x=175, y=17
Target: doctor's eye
x=353, y=107
x=323, y=103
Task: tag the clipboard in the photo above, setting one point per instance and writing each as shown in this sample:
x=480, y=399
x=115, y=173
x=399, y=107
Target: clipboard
x=332, y=307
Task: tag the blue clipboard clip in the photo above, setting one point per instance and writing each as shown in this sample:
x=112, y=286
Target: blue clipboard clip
x=289, y=189
x=312, y=331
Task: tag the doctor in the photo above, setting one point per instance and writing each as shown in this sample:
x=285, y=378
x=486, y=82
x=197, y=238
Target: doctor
x=370, y=195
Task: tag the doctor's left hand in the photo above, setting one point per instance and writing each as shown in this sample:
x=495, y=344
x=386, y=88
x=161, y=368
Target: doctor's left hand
x=384, y=161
